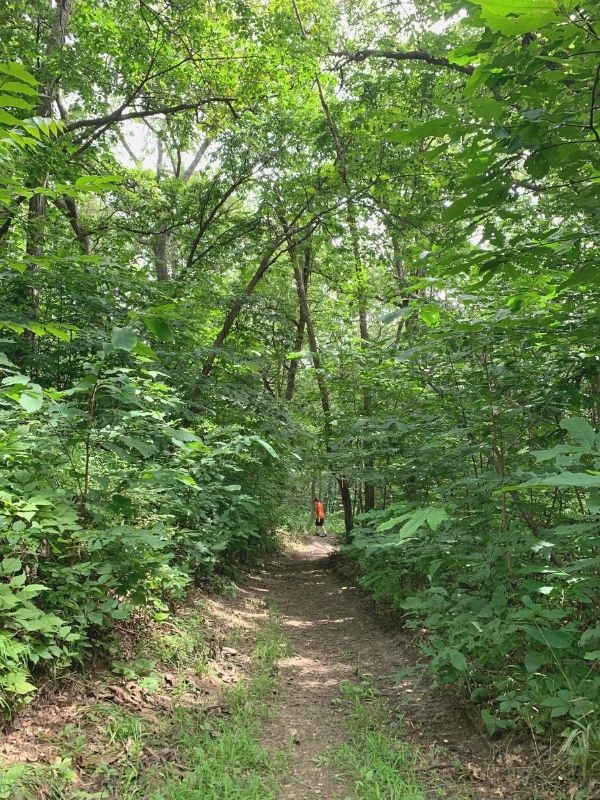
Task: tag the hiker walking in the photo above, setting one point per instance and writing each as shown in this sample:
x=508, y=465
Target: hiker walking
x=319, y=515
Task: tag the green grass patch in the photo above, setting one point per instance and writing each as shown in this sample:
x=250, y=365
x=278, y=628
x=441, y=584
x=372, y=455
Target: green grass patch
x=211, y=754
x=223, y=753
x=28, y=781
x=379, y=764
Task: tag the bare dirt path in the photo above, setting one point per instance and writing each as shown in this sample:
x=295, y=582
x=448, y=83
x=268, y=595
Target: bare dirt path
x=336, y=636
x=333, y=637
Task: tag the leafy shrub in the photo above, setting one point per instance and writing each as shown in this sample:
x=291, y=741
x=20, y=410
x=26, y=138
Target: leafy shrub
x=110, y=504
x=509, y=616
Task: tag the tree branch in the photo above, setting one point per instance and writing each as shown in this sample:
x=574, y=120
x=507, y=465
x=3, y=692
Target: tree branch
x=593, y=104
x=119, y=116
x=67, y=207
x=205, y=223
x=196, y=159
x=404, y=55
x=128, y=149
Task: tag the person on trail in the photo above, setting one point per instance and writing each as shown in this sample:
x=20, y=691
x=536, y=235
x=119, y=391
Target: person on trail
x=319, y=515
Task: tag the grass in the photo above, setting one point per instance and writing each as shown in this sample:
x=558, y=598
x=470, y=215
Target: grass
x=28, y=781
x=213, y=755
x=183, y=643
x=379, y=765
x=223, y=756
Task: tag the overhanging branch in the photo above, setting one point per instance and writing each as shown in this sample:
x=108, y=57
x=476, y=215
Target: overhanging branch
x=403, y=55
x=120, y=115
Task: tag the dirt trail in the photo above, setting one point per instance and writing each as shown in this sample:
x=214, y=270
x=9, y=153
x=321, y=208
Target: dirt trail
x=334, y=637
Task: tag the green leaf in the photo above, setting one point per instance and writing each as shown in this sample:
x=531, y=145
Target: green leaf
x=97, y=183
x=592, y=655
x=123, y=612
x=440, y=126
x=415, y=521
x=143, y=350
x=267, y=447
x=32, y=590
x=560, y=711
x=145, y=448
x=392, y=523
x=123, y=339
x=5, y=361
x=10, y=565
x=518, y=16
x=159, y=328
x=593, y=502
x=11, y=380
x=15, y=683
x=582, y=480
x=492, y=723
x=17, y=71
x=13, y=101
x=32, y=399
x=6, y=118
x=60, y=333
x=435, y=518
x=19, y=88
x=457, y=208
x=534, y=660
x=560, y=640
x=430, y=315
x=580, y=429
x=183, y=435
x=457, y=660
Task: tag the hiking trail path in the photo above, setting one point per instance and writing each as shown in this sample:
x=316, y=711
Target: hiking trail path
x=335, y=636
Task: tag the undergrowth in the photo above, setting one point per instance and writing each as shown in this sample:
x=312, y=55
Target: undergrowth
x=509, y=615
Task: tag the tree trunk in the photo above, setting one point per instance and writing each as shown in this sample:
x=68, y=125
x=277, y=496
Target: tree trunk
x=359, y=271
x=299, y=341
x=160, y=244
x=312, y=342
x=299, y=274
x=294, y=363
x=36, y=214
x=363, y=323
x=347, y=506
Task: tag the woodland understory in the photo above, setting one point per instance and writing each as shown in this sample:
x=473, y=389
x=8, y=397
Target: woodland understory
x=255, y=252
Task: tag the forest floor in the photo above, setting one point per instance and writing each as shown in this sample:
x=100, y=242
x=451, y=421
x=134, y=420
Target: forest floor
x=292, y=688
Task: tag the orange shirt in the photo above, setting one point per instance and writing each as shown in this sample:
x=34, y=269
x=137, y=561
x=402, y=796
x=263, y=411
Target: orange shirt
x=319, y=510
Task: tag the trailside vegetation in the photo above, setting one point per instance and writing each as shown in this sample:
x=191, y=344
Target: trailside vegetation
x=255, y=252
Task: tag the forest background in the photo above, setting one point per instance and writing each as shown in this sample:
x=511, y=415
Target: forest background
x=252, y=251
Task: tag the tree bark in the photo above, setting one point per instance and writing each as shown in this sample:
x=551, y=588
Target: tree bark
x=159, y=248
x=404, y=55
x=346, y=498
x=312, y=343
x=295, y=362
x=68, y=207
x=299, y=341
x=360, y=275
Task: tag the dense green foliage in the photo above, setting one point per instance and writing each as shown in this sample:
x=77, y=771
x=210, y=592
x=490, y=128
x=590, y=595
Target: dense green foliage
x=258, y=251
